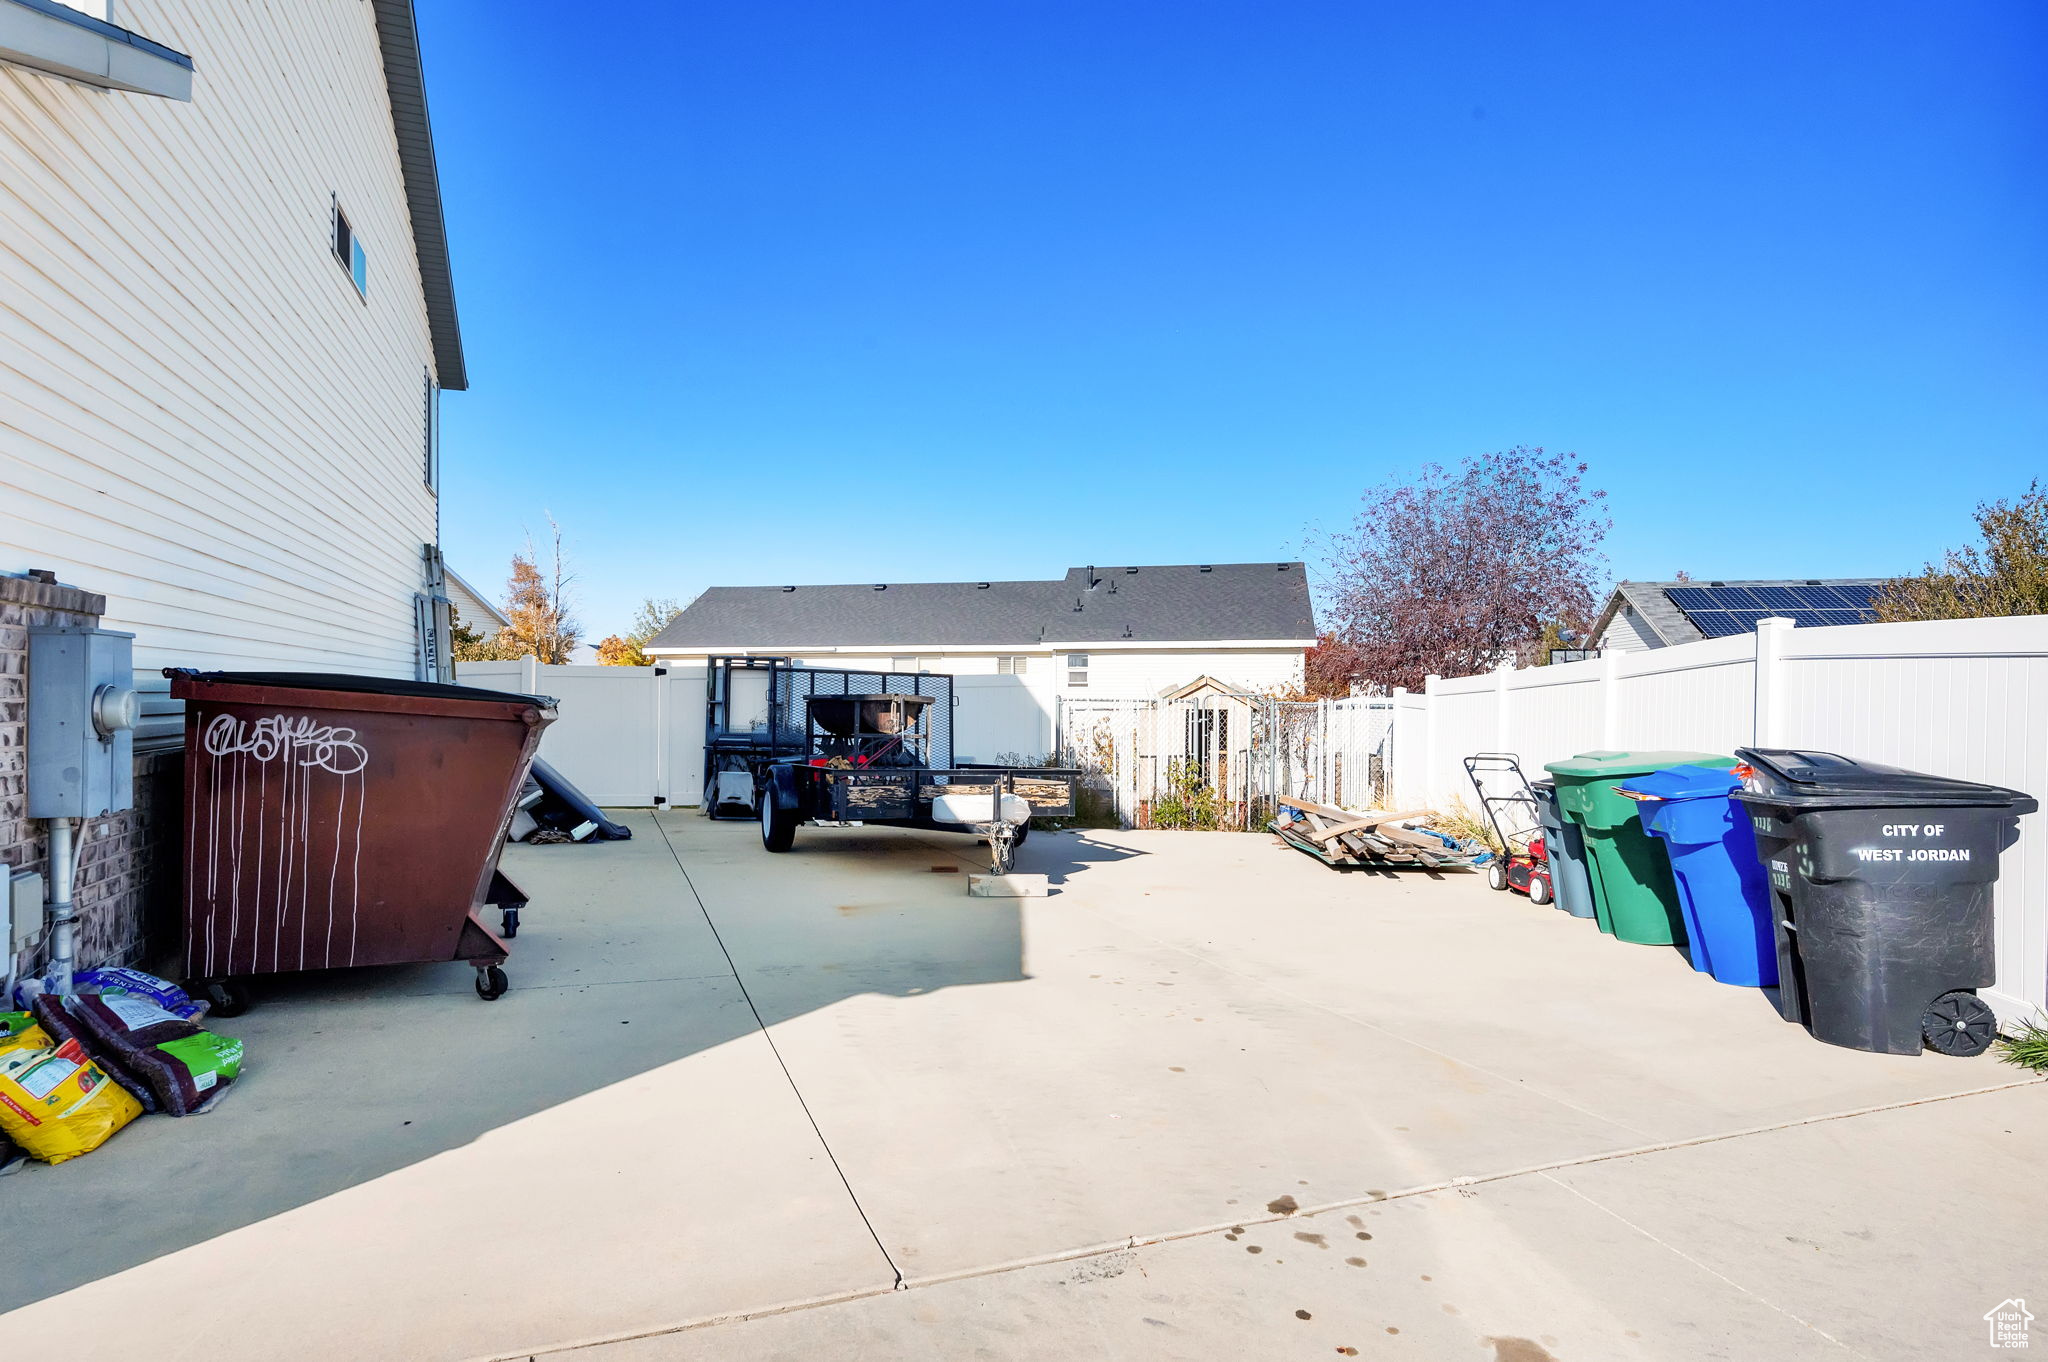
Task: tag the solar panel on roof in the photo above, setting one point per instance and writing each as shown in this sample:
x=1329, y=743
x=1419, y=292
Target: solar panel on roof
x=1775, y=597
x=1691, y=598
x=1816, y=597
x=1859, y=595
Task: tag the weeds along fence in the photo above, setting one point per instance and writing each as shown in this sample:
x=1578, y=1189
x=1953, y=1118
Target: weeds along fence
x=1964, y=698
x=1221, y=758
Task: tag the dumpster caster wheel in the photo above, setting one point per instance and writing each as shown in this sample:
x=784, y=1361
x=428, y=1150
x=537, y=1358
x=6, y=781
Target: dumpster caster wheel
x=225, y=999
x=508, y=923
x=491, y=983
x=1959, y=1024
x=1539, y=890
x=1497, y=875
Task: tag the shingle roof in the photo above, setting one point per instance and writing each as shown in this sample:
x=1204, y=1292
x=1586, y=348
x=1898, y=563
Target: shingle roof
x=1172, y=604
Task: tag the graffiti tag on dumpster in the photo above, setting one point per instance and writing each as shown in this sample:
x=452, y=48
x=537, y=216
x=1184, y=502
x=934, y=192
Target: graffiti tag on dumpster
x=274, y=846
x=299, y=740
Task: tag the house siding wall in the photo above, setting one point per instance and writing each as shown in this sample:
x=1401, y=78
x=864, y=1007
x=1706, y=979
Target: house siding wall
x=1130, y=674
x=201, y=418
x=1627, y=632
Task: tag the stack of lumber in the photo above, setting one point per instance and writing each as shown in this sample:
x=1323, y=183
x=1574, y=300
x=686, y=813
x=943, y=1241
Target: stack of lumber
x=1340, y=837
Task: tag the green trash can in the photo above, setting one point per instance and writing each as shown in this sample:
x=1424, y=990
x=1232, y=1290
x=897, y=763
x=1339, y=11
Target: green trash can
x=1634, y=897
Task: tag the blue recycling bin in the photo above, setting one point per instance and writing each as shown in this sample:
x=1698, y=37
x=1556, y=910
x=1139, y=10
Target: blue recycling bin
x=1565, y=845
x=1722, y=891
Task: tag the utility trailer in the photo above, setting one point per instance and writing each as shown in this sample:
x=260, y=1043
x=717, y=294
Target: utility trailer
x=756, y=712
x=867, y=759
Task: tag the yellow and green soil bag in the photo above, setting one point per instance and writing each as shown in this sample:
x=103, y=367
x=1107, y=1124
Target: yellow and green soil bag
x=54, y=1101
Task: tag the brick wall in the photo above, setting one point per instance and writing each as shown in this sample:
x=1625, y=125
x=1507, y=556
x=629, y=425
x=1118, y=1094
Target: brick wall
x=127, y=891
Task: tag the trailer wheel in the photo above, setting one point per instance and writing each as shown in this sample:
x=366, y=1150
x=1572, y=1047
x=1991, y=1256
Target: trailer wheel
x=491, y=983
x=226, y=998
x=1539, y=889
x=778, y=825
x=1959, y=1024
x=1497, y=875
x=1023, y=831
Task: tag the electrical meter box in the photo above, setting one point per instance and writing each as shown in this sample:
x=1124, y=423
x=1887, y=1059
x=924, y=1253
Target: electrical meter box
x=82, y=709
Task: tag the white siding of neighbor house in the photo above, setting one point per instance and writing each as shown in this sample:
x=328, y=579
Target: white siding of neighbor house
x=1627, y=632
x=1125, y=673
x=200, y=418
x=472, y=610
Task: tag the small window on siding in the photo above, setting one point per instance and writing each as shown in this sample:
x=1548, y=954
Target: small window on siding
x=912, y=664
x=1077, y=669
x=1012, y=665
x=348, y=249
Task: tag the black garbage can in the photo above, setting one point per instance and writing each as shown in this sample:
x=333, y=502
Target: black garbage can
x=1881, y=896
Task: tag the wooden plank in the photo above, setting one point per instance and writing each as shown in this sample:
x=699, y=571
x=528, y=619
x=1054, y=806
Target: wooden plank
x=1370, y=822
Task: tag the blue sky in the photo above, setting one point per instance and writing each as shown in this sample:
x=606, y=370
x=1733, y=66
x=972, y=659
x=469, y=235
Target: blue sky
x=898, y=289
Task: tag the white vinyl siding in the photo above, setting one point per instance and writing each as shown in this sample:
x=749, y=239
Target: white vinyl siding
x=1140, y=673
x=1627, y=632
x=202, y=418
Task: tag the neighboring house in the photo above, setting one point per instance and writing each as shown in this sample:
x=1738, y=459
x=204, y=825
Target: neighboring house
x=226, y=318
x=472, y=608
x=1020, y=649
x=1099, y=631
x=1640, y=615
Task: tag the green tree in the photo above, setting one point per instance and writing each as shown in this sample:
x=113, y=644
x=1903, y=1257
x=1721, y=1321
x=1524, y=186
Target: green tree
x=470, y=646
x=2006, y=574
x=628, y=649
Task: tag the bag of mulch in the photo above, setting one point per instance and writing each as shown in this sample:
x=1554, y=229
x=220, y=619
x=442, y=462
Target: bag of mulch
x=55, y=1102
x=53, y=1013
x=183, y=1069
x=135, y=984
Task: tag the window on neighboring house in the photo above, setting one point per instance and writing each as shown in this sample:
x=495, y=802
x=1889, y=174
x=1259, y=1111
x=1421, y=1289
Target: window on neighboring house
x=432, y=454
x=1077, y=669
x=912, y=664
x=348, y=249
x=1011, y=664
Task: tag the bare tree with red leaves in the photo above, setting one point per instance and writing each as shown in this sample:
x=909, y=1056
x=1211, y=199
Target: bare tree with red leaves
x=1450, y=572
x=1330, y=667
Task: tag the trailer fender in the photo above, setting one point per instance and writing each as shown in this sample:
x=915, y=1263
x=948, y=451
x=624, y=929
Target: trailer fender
x=781, y=787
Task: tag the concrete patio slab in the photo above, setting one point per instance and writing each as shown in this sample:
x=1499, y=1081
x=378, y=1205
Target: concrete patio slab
x=718, y=1069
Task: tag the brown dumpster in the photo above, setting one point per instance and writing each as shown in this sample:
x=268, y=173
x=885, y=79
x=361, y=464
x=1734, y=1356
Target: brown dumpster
x=333, y=821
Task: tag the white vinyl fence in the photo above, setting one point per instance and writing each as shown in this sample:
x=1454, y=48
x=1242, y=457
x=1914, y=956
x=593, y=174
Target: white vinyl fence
x=626, y=736
x=1963, y=698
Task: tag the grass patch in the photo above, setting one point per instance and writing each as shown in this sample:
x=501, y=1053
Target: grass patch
x=2026, y=1047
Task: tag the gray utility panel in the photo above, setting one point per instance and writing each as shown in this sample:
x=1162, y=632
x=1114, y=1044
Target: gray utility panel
x=82, y=708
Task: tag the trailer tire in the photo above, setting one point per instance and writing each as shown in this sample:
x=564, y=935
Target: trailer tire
x=778, y=825
x=1023, y=831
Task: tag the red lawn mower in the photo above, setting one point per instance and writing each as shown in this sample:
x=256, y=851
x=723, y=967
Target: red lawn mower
x=1511, y=807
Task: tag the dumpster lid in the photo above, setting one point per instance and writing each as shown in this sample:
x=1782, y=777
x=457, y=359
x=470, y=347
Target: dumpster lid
x=1595, y=764
x=363, y=685
x=1828, y=778
x=1683, y=782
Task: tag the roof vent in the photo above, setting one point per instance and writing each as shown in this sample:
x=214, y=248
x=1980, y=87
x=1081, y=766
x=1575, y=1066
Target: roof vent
x=1813, y=581
x=1717, y=583
x=789, y=588
x=881, y=586
x=981, y=586
x=1093, y=580
x=1283, y=566
x=1203, y=568
x=1130, y=572
x=1077, y=603
x=1127, y=631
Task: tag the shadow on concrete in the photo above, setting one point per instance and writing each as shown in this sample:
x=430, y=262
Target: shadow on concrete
x=617, y=971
